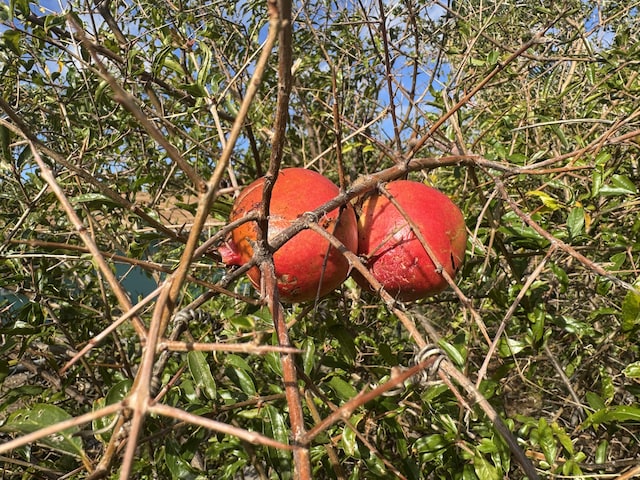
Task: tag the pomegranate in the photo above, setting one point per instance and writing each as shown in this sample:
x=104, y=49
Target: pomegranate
x=393, y=253
x=306, y=265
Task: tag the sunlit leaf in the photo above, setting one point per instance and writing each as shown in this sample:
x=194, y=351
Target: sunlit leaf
x=547, y=200
x=43, y=415
x=632, y=370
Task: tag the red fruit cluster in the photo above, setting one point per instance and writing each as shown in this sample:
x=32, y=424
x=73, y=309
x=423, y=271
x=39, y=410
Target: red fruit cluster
x=307, y=266
x=393, y=252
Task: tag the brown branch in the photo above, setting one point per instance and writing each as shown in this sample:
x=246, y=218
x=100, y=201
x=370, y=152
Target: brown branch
x=246, y=435
x=20, y=128
x=289, y=373
x=537, y=38
x=140, y=395
x=282, y=11
x=447, y=369
x=128, y=101
x=98, y=258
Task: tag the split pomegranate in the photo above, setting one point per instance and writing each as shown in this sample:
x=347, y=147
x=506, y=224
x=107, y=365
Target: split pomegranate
x=393, y=253
x=306, y=265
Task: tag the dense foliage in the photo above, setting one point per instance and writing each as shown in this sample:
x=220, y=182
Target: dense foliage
x=113, y=118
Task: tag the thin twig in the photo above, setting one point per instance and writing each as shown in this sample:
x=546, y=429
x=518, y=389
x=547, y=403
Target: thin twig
x=128, y=101
x=177, y=346
x=512, y=309
x=246, y=435
x=107, y=271
x=59, y=427
x=346, y=410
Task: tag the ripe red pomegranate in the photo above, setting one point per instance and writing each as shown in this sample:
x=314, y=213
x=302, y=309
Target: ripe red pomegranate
x=305, y=266
x=394, y=255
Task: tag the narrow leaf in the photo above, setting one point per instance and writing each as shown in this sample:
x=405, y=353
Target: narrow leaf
x=201, y=373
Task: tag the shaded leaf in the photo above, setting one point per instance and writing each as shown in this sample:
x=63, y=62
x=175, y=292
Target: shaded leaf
x=201, y=373
x=343, y=390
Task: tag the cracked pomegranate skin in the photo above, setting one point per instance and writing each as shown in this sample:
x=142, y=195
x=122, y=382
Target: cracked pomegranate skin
x=306, y=265
x=393, y=253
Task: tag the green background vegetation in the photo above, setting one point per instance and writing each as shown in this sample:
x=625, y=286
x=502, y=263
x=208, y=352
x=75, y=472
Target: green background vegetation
x=542, y=159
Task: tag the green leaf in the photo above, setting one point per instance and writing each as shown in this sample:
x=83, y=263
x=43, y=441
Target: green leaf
x=205, y=71
x=602, y=158
x=345, y=391
x=4, y=369
x=624, y=183
x=238, y=362
x=595, y=401
x=614, y=414
x=620, y=185
x=275, y=426
x=632, y=370
x=43, y=415
x=201, y=373
x=345, y=342
x=591, y=74
x=178, y=466
x=631, y=310
x=238, y=370
x=278, y=424
x=575, y=222
x=194, y=89
x=115, y=394
x=493, y=57
x=349, y=440
x=308, y=355
x=597, y=178
x=484, y=469
x=159, y=59
x=452, y=352
x=563, y=438
x=92, y=197
x=509, y=346
x=5, y=141
x=560, y=134
x=601, y=452
x=547, y=441
x=11, y=40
